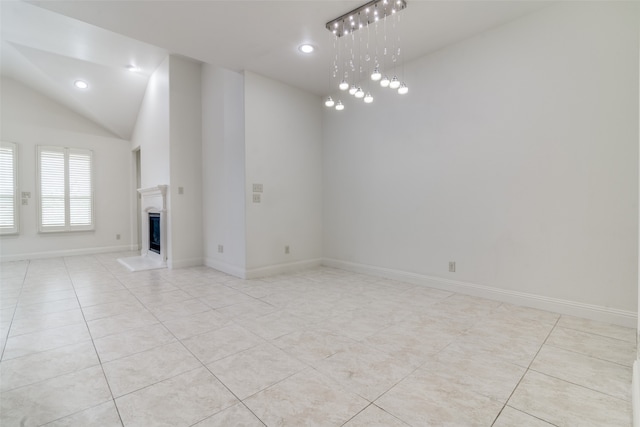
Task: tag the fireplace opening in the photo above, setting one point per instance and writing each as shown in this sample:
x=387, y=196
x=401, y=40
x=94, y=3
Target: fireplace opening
x=154, y=232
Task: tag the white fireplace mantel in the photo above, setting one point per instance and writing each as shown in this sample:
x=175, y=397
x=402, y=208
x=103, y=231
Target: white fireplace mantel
x=158, y=190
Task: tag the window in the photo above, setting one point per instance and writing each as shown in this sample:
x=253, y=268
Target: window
x=8, y=189
x=66, y=189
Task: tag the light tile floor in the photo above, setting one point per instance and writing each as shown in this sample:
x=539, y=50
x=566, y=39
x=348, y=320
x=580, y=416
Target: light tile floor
x=87, y=343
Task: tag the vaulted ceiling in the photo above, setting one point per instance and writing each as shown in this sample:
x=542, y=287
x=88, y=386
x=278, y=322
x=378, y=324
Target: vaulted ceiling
x=47, y=45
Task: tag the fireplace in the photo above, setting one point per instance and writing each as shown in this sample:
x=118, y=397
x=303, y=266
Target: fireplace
x=154, y=232
x=153, y=227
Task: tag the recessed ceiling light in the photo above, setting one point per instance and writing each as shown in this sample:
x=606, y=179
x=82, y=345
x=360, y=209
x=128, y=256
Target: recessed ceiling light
x=306, y=48
x=81, y=84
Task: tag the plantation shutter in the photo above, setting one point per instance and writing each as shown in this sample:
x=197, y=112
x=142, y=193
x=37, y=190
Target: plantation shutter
x=80, y=188
x=52, y=188
x=66, y=189
x=8, y=189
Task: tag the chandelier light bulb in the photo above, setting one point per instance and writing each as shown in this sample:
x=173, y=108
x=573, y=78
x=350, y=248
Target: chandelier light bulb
x=339, y=106
x=343, y=85
x=359, y=93
x=403, y=89
x=368, y=98
x=352, y=90
x=395, y=83
x=385, y=81
x=376, y=75
x=329, y=102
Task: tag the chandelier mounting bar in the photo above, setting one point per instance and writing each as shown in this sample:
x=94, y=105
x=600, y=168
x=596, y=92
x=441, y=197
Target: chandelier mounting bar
x=364, y=15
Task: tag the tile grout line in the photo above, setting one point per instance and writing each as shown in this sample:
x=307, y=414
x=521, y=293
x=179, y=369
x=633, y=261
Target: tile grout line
x=214, y=375
x=15, y=308
x=579, y=385
x=525, y=373
x=594, y=333
x=94, y=345
x=590, y=356
x=359, y=412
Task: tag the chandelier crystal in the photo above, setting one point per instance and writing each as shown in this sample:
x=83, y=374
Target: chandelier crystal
x=367, y=51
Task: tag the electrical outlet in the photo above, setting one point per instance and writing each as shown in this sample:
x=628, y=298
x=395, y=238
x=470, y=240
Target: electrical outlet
x=256, y=198
x=286, y=249
x=452, y=266
x=220, y=249
x=25, y=201
x=257, y=188
x=26, y=194
x=117, y=237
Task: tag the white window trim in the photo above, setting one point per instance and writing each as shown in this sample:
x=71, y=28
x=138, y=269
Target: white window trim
x=16, y=207
x=67, y=227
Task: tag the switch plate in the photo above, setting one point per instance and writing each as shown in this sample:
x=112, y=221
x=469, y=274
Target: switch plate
x=452, y=266
x=256, y=198
x=26, y=194
x=220, y=249
x=25, y=201
x=257, y=188
x=286, y=249
x=180, y=190
x=117, y=237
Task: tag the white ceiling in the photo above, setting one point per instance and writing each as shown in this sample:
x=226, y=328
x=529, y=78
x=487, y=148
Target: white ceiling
x=49, y=44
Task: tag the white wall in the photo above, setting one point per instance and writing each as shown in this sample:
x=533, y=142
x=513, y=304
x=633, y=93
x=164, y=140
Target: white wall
x=185, y=162
x=30, y=119
x=151, y=133
x=223, y=169
x=514, y=154
x=283, y=140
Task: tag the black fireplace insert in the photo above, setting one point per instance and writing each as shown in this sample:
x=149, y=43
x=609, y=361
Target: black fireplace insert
x=154, y=232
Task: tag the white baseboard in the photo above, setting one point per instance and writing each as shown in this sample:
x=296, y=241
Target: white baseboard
x=272, y=270
x=184, y=263
x=66, y=252
x=635, y=393
x=256, y=273
x=219, y=265
x=589, y=311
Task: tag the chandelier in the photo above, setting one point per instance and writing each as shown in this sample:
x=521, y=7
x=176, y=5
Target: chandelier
x=367, y=60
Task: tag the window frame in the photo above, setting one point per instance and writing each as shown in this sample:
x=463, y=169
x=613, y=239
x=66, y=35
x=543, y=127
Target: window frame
x=5, y=231
x=67, y=227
